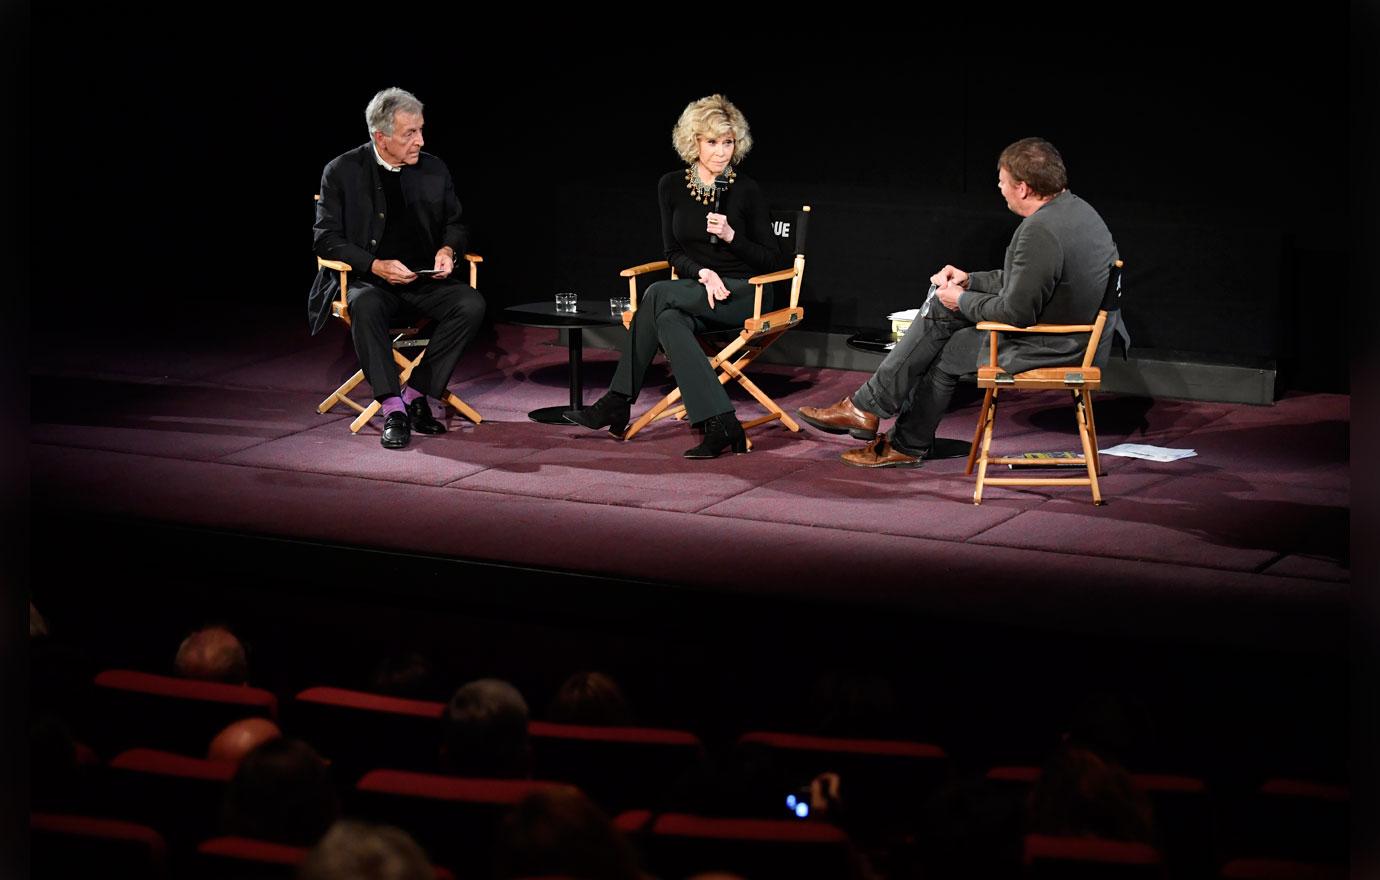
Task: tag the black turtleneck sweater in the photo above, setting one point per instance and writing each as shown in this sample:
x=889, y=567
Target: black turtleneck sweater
x=753, y=250
x=402, y=240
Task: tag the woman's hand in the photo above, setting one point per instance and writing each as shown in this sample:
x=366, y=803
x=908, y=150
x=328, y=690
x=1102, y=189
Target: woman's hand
x=717, y=224
x=713, y=286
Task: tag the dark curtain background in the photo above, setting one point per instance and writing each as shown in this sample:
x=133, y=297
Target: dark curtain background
x=185, y=166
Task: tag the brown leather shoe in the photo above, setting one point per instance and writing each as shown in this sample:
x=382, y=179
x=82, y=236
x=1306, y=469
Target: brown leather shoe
x=841, y=418
x=881, y=454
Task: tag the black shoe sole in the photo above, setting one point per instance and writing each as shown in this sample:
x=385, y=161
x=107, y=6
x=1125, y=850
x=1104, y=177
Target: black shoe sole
x=573, y=416
x=430, y=431
x=855, y=433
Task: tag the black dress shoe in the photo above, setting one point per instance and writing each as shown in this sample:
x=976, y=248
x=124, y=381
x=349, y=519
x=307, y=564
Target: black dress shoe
x=720, y=433
x=423, y=422
x=610, y=411
x=397, y=432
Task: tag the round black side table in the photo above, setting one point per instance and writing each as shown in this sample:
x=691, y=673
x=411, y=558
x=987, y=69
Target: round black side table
x=589, y=313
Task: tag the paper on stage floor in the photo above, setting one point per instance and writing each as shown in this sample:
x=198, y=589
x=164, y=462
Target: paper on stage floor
x=1149, y=453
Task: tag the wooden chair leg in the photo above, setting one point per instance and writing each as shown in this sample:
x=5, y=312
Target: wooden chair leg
x=364, y=416
x=650, y=415
x=463, y=408
x=977, y=433
x=1089, y=451
x=1092, y=430
x=767, y=402
x=990, y=408
x=341, y=394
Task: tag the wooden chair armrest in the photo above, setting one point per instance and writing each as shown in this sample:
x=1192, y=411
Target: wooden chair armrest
x=778, y=318
x=1035, y=328
x=643, y=269
x=337, y=265
x=772, y=277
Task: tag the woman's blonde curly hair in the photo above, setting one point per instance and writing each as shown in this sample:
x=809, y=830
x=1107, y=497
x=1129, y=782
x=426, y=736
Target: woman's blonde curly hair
x=712, y=116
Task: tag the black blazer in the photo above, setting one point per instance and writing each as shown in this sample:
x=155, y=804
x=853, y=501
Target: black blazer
x=350, y=218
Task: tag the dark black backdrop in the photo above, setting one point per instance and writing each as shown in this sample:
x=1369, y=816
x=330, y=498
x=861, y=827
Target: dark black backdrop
x=186, y=164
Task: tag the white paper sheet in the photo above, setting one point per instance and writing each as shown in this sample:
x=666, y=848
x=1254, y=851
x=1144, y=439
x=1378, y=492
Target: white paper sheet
x=1149, y=453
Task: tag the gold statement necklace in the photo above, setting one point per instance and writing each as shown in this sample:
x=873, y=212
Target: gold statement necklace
x=704, y=192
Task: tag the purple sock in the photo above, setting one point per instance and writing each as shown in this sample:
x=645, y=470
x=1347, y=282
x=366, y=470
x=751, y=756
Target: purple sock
x=410, y=394
x=392, y=405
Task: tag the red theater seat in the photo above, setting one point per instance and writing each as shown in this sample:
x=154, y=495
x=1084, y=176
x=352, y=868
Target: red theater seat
x=178, y=714
x=885, y=778
x=68, y=847
x=618, y=767
x=179, y=795
x=1074, y=858
x=678, y=845
x=453, y=818
x=359, y=731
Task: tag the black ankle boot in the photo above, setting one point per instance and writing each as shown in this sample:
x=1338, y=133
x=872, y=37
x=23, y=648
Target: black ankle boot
x=720, y=433
x=610, y=411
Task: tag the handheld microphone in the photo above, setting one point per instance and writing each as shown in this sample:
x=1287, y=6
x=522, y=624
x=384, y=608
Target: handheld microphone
x=720, y=187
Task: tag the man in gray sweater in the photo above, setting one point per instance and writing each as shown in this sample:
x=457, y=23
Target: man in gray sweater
x=1055, y=272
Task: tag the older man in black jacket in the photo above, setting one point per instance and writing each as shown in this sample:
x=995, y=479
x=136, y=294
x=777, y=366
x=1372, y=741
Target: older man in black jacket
x=389, y=211
x=1055, y=271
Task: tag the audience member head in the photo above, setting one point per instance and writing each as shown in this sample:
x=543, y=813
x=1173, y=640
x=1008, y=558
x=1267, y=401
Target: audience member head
x=239, y=738
x=409, y=675
x=281, y=792
x=560, y=832
x=485, y=730
x=590, y=698
x=212, y=654
x=357, y=851
x=1082, y=794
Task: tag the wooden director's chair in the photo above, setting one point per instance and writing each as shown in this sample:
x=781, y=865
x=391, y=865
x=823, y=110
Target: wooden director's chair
x=1080, y=379
x=757, y=335
x=403, y=337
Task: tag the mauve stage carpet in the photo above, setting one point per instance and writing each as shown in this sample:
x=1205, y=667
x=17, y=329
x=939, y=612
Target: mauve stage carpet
x=212, y=423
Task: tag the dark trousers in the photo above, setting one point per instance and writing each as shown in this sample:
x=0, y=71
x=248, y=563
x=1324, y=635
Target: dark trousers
x=669, y=314
x=456, y=308
x=916, y=381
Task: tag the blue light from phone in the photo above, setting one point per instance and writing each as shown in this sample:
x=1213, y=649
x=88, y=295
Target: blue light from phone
x=802, y=809
x=790, y=802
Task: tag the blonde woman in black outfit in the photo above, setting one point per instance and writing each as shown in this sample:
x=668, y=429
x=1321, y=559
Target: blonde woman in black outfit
x=714, y=254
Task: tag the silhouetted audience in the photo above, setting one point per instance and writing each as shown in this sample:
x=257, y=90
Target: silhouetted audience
x=281, y=792
x=853, y=704
x=590, y=698
x=239, y=738
x=484, y=731
x=61, y=769
x=967, y=829
x=561, y=833
x=1082, y=794
x=409, y=675
x=212, y=654
x=1118, y=727
x=358, y=851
